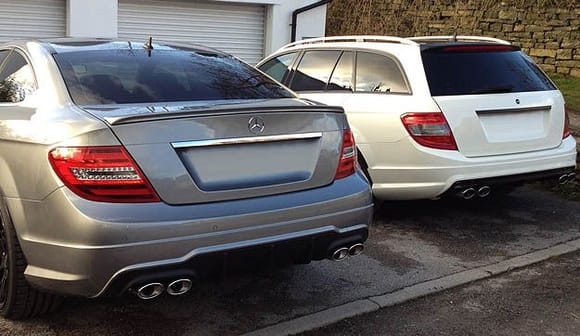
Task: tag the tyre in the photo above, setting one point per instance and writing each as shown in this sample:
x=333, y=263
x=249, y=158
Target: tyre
x=18, y=299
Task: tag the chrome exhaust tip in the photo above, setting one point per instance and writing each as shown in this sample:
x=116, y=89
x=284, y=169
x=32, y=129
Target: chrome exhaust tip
x=563, y=179
x=571, y=177
x=340, y=254
x=484, y=191
x=468, y=193
x=179, y=287
x=150, y=291
x=356, y=249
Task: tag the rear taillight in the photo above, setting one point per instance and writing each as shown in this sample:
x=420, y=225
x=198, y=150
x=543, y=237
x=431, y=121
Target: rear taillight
x=102, y=173
x=566, y=125
x=347, y=163
x=430, y=130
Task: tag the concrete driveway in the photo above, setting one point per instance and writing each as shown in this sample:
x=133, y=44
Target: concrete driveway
x=411, y=242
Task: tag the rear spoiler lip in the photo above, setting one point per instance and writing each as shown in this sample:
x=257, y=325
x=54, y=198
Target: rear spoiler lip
x=440, y=46
x=144, y=113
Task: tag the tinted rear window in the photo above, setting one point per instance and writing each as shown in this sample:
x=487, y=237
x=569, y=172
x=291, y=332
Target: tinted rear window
x=461, y=71
x=134, y=76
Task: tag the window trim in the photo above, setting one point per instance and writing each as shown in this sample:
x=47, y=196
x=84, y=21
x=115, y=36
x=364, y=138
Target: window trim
x=27, y=59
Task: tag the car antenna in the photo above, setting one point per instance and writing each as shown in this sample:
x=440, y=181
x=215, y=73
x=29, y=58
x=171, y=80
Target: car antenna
x=149, y=46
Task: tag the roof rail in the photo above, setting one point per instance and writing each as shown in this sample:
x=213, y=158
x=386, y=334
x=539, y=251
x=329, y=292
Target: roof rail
x=353, y=38
x=456, y=38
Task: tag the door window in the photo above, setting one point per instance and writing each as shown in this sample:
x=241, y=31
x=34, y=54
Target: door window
x=16, y=79
x=341, y=78
x=314, y=70
x=378, y=73
x=277, y=67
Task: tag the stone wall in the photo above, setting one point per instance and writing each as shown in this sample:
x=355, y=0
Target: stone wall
x=548, y=30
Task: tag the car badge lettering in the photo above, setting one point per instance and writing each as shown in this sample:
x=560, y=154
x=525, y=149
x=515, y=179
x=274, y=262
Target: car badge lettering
x=256, y=125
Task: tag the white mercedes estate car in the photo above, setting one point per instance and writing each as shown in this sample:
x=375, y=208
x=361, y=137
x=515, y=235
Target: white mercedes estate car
x=435, y=116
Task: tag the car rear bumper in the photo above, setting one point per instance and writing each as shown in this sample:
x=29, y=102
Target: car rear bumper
x=92, y=249
x=426, y=173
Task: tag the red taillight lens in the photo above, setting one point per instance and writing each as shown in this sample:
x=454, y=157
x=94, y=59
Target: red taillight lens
x=347, y=163
x=566, y=125
x=430, y=130
x=102, y=173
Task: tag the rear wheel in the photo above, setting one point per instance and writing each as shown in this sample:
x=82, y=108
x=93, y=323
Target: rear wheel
x=17, y=299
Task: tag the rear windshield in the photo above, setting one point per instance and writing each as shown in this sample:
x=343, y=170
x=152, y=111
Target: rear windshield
x=474, y=70
x=137, y=76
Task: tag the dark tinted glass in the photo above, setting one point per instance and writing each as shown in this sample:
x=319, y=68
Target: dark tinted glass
x=134, y=76
x=378, y=73
x=314, y=70
x=277, y=67
x=341, y=78
x=461, y=73
x=16, y=79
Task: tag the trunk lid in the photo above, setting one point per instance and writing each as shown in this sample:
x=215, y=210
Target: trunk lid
x=207, y=153
x=494, y=97
x=504, y=123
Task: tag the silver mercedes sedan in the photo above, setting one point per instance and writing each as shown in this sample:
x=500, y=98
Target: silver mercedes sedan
x=138, y=168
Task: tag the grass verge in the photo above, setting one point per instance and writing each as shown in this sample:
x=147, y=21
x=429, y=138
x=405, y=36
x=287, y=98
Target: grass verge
x=570, y=87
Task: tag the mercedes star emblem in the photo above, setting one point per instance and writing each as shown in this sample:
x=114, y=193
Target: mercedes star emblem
x=256, y=125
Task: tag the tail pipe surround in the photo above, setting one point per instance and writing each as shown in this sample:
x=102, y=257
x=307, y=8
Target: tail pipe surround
x=343, y=252
x=150, y=291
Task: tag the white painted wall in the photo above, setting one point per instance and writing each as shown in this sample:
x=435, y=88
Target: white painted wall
x=92, y=18
x=279, y=20
x=311, y=23
x=98, y=18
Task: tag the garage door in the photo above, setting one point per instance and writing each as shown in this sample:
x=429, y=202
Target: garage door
x=32, y=19
x=234, y=28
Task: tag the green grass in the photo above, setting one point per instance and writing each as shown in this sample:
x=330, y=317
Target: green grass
x=570, y=87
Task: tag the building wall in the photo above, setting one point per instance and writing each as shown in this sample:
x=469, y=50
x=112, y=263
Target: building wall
x=549, y=31
x=98, y=18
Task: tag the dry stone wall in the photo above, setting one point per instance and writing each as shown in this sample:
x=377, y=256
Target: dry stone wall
x=548, y=30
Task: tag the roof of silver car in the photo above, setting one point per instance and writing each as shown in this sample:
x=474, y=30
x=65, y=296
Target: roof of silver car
x=60, y=45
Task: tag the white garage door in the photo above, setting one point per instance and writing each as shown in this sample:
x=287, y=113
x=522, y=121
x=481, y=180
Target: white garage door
x=32, y=19
x=234, y=28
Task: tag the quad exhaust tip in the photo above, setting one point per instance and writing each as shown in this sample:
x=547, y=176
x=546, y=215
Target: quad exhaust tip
x=150, y=291
x=179, y=287
x=340, y=254
x=356, y=249
x=563, y=179
x=468, y=193
x=343, y=252
x=483, y=191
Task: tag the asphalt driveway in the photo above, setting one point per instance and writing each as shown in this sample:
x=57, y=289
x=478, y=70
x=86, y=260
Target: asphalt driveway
x=411, y=242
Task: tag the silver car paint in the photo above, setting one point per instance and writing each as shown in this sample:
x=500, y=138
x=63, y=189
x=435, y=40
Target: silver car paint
x=75, y=246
